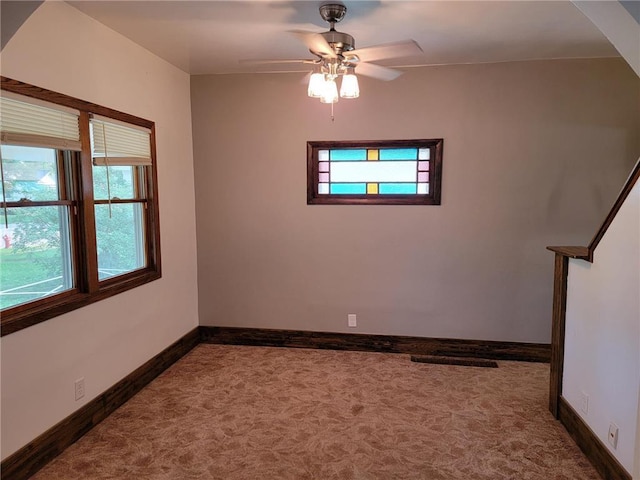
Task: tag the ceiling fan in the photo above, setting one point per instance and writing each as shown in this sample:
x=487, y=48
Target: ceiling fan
x=337, y=56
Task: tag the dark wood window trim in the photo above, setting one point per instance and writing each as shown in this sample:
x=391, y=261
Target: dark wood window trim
x=435, y=173
x=88, y=288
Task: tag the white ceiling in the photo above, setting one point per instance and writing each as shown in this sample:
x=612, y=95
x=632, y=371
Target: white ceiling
x=203, y=37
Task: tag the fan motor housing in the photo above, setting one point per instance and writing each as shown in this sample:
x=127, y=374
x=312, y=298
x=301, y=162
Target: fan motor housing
x=339, y=41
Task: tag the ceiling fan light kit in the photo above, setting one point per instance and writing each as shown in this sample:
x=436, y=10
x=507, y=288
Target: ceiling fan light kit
x=330, y=91
x=322, y=85
x=349, y=87
x=332, y=63
x=337, y=57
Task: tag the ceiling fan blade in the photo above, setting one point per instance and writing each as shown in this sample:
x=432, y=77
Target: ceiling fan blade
x=275, y=61
x=406, y=48
x=315, y=42
x=376, y=71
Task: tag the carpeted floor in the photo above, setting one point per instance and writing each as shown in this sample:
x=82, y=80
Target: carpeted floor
x=230, y=412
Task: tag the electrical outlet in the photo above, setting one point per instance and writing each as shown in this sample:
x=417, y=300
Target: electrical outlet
x=79, y=384
x=584, y=402
x=351, y=320
x=613, y=435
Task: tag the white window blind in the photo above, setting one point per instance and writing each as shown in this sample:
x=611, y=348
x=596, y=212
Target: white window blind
x=34, y=123
x=119, y=144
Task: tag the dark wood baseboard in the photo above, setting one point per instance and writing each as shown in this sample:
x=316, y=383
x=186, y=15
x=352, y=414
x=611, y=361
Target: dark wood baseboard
x=605, y=463
x=524, y=352
x=37, y=453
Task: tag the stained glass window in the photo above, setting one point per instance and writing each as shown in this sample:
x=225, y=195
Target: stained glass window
x=391, y=172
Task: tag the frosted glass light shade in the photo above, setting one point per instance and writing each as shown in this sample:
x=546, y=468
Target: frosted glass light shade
x=316, y=85
x=330, y=94
x=349, y=87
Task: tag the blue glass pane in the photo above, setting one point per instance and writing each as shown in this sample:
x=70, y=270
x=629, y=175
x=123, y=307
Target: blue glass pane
x=350, y=188
x=398, y=153
x=398, y=188
x=348, y=154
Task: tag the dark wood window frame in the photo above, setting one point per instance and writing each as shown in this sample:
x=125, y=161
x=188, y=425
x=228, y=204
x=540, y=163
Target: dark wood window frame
x=88, y=289
x=435, y=174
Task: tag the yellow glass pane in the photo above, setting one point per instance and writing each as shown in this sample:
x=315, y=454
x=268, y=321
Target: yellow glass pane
x=372, y=155
x=372, y=187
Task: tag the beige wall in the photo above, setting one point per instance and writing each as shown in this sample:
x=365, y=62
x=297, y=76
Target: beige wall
x=534, y=155
x=63, y=50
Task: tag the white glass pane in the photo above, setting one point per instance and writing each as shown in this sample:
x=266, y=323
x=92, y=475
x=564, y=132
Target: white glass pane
x=423, y=154
x=323, y=188
x=120, y=183
x=323, y=155
x=120, y=239
x=394, y=171
x=423, y=189
x=35, y=254
x=29, y=173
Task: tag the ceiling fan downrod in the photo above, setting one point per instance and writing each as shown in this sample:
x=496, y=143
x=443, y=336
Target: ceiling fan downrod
x=339, y=41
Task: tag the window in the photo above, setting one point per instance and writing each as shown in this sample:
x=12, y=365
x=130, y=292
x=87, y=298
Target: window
x=79, y=219
x=120, y=153
x=36, y=253
x=403, y=172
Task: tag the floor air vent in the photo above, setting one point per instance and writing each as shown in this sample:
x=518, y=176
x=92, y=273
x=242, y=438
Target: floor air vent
x=467, y=362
